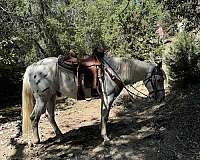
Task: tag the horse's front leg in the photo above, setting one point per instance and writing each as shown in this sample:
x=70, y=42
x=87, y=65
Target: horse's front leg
x=105, y=109
x=104, y=119
x=104, y=112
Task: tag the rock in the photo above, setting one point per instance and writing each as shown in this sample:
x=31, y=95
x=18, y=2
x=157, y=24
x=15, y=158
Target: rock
x=69, y=101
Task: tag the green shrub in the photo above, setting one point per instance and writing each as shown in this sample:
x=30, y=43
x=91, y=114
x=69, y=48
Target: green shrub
x=183, y=58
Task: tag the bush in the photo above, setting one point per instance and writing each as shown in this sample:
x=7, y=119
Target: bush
x=183, y=58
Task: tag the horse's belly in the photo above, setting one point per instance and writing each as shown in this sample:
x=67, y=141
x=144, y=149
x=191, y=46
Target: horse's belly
x=72, y=92
x=69, y=90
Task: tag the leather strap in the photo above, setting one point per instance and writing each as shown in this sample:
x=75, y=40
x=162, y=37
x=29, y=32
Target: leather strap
x=119, y=83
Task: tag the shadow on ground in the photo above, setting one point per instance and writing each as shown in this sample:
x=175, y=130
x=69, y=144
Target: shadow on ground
x=132, y=134
x=10, y=113
x=86, y=143
x=141, y=131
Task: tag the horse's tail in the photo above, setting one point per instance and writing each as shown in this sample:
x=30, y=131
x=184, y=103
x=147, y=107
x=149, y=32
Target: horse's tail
x=27, y=104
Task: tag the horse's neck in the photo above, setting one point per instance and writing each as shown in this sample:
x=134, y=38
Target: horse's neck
x=130, y=70
x=140, y=70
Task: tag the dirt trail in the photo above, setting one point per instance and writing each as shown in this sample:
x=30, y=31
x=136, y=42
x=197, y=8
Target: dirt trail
x=140, y=131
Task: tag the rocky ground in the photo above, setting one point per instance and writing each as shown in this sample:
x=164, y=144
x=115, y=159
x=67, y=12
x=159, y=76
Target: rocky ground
x=138, y=130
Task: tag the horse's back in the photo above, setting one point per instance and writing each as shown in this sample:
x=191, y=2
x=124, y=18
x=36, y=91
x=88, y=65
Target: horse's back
x=47, y=61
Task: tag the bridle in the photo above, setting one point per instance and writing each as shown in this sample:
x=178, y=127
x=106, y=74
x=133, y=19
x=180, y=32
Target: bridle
x=151, y=79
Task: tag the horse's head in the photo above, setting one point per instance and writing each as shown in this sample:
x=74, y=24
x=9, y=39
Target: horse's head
x=155, y=83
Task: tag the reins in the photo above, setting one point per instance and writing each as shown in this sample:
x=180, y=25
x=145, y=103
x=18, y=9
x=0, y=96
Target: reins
x=124, y=86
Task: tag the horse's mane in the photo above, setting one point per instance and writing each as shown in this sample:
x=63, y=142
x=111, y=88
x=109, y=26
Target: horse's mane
x=128, y=68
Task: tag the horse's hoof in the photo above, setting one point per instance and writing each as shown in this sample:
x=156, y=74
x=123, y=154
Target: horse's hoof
x=106, y=141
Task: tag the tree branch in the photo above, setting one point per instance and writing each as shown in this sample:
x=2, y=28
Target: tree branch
x=41, y=49
x=126, y=6
x=120, y=18
x=7, y=12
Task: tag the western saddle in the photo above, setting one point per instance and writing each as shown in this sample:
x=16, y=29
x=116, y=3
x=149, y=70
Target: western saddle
x=86, y=72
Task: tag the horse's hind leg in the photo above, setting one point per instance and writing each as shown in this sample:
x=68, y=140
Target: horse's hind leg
x=51, y=115
x=35, y=117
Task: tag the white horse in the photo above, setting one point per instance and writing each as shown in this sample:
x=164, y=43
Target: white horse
x=44, y=79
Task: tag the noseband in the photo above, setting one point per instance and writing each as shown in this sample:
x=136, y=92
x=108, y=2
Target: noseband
x=155, y=72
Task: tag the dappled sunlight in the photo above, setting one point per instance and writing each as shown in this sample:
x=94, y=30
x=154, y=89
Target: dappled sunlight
x=54, y=52
x=140, y=130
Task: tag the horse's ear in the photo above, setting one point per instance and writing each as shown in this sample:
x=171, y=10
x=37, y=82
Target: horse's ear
x=159, y=64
